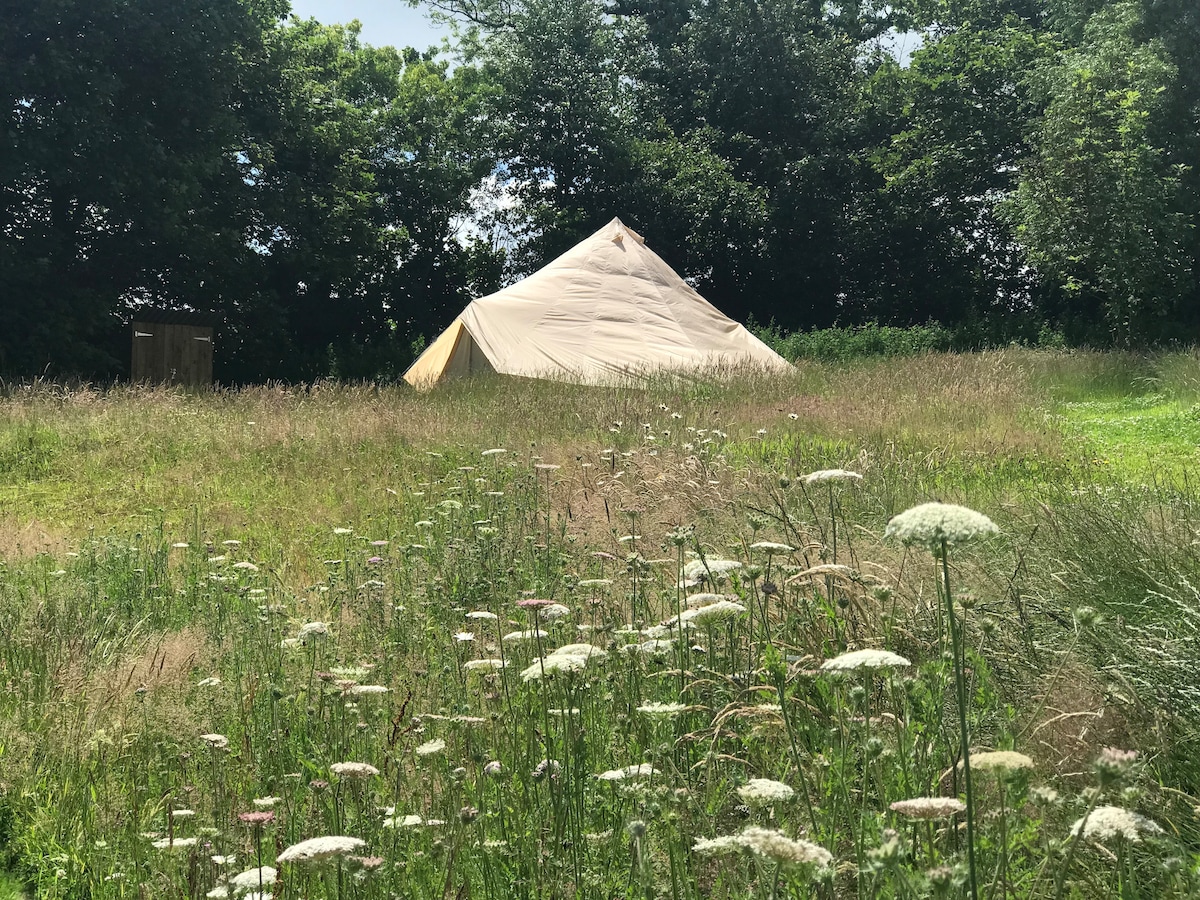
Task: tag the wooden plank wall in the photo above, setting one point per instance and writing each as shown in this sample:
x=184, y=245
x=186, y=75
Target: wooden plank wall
x=174, y=354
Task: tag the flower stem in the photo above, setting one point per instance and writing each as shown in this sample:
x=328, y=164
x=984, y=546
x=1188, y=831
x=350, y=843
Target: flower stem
x=960, y=687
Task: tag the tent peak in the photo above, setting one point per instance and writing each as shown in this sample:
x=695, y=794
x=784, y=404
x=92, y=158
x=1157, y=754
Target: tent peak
x=616, y=230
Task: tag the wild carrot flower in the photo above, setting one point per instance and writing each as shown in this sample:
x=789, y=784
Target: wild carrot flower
x=362, y=690
x=256, y=817
x=712, y=614
x=265, y=802
x=641, y=770
x=931, y=524
x=482, y=614
x=698, y=570
x=353, y=770
x=1107, y=822
x=764, y=791
x=929, y=807
x=1112, y=765
x=661, y=710
x=474, y=665
x=552, y=665
x=772, y=548
x=252, y=879
x=437, y=745
x=178, y=843
x=771, y=844
x=864, y=659
x=1000, y=761
x=321, y=848
x=216, y=741
x=823, y=475
x=313, y=632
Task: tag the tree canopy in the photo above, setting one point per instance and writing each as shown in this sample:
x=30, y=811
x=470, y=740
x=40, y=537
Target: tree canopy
x=327, y=203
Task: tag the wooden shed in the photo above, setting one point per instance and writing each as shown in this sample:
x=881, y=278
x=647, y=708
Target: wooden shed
x=172, y=347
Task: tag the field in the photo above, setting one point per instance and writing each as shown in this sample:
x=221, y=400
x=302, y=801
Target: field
x=514, y=639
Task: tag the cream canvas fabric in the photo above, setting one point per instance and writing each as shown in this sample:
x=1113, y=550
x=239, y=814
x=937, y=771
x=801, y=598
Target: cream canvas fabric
x=604, y=310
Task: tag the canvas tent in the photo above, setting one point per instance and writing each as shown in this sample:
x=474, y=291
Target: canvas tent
x=608, y=308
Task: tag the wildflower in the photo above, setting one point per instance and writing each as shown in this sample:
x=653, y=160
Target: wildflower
x=765, y=791
x=211, y=681
x=546, y=767
x=661, y=710
x=1000, y=761
x=495, y=451
x=461, y=637
x=516, y=636
x=697, y=570
x=320, y=848
x=359, y=690
x=353, y=769
x=695, y=601
x=437, y=745
x=552, y=664
x=493, y=769
x=641, y=770
x=929, y=807
x=252, y=878
x=864, y=659
x=217, y=559
x=533, y=603
x=343, y=531
x=168, y=844
x=823, y=475
x=180, y=545
x=216, y=741
x=473, y=665
x=555, y=611
x=588, y=651
x=265, y=802
x=313, y=631
x=1112, y=765
x=182, y=813
x=726, y=843
x=774, y=845
x=409, y=821
x=1107, y=822
x=546, y=467
x=771, y=548
x=257, y=817
x=653, y=647
x=712, y=613
x=931, y=524
x=482, y=614
x=247, y=566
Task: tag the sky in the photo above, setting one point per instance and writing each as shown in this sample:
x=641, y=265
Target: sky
x=385, y=23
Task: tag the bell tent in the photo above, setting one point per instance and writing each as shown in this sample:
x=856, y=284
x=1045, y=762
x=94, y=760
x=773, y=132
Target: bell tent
x=606, y=309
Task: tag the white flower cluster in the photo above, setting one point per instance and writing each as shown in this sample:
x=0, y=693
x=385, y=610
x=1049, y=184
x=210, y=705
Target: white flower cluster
x=864, y=659
x=571, y=658
x=641, y=770
x=321, y=848
x=764, y=791
x=1107, y=822
x=771, y=844
x=698, y=570
x=929, y=807
x=931, y=524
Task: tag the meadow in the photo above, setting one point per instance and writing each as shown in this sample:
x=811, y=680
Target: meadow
x=512, y=639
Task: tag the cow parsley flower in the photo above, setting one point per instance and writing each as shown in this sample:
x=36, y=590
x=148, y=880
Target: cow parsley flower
x=321, y=848
x=824, y=475
x=353, y=769
x=864, y=659
x=929, y=807
x=1107, y=822
x=1000, y=761
x=764, y=791
x=931, y=524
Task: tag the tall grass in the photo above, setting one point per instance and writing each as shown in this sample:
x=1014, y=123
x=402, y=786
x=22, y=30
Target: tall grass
x=354, y=554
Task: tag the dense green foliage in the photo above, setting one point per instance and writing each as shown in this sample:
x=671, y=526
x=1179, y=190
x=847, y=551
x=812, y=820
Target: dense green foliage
x=1030, y=165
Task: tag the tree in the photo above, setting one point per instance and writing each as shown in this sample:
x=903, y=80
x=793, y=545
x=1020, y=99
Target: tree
x=1099, y=206
x=117, y=123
